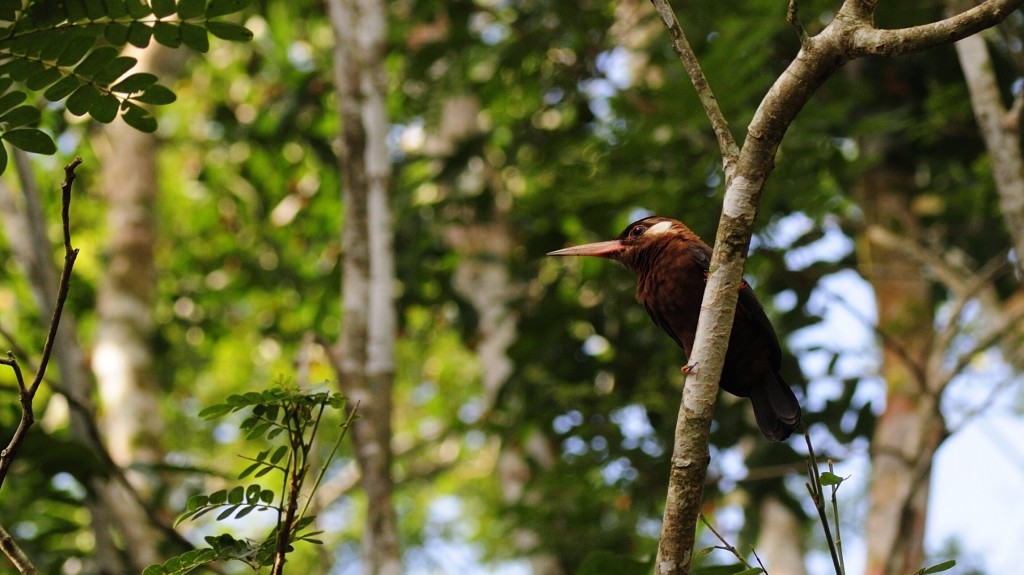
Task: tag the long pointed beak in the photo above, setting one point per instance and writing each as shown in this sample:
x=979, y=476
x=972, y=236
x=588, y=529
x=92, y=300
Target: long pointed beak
x=600, y=249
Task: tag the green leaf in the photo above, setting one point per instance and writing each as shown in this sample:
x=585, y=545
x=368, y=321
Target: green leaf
x=162, y=8
x=115, y=69
x=95, y=9
x=139, y=34
x=751, y=571
x=167, y=34
x=218, y=497
x=116, y=33
x=75, y=9
x=829, y=478
x=20, y=116
x=196, y=501
x=139, y=118
x=43, y=79
x=263, y=472
x=248, y=470
x=8, y=9
x=227, y=512
x=5, y=83
x=10, y=100
x=191, y=8
x=224, y=7
x=31, y=140
x=245, y=511
x=129, y=85
x=104, y=109
x=134, y=83
x=82, y=99
x=76, y=49
x=236, y=495
x=116, y=9
x=229, y=31
x=3, y=159
x=194, y=37
x=156, y=569
x=252, y=494
x=938, y=568
x=96, y=60
x=62, y=89
x=279, y=453
x=137, y=9
x=19, y=69
x=267, y=496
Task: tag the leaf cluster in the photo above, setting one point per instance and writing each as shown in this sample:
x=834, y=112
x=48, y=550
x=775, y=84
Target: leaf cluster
x=71, y=51
x=289, y=415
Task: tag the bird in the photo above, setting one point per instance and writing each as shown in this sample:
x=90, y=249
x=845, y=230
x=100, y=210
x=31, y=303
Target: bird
x=671, y=264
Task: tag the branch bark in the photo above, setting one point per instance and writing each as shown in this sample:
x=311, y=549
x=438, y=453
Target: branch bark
x=850, y=35
x=1002, y=142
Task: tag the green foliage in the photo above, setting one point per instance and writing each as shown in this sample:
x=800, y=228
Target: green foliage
x=288, y=415
x=71, y=50
x=937, y=568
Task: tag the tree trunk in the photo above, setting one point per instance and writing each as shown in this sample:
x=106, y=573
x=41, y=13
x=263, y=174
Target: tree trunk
x=911, y=428
x=781, y=541
x=122, y=356
x=364, y=358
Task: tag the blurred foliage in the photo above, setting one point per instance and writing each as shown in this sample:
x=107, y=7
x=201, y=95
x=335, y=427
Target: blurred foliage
x=580, y=118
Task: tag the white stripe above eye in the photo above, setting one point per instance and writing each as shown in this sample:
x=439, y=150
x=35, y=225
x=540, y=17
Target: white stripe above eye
x=659, y=228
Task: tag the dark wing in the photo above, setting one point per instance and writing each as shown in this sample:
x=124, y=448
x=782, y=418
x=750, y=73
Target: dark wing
x=750, y=307
x=660, y=320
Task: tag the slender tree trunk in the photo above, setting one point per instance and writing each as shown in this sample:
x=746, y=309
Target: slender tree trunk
x=122, y=356
x=364, y=358
x=911, y=427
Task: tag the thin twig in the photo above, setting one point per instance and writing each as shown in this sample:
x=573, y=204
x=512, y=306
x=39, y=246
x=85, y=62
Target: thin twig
x=725, y=544
x=817, y=496
x=18, y=558
x=681, y=46
x=794, y=20
x=27, y=393
x=835, y=517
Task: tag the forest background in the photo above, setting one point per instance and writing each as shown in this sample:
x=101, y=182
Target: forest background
x=533, y=402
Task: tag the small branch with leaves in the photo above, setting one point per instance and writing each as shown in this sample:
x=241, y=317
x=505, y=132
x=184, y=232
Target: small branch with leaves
x=279, y=412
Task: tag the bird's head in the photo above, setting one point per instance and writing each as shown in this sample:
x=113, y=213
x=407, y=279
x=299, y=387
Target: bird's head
x=638, y=244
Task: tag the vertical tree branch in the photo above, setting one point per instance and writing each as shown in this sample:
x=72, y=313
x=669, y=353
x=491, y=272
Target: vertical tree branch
x=1003, y=144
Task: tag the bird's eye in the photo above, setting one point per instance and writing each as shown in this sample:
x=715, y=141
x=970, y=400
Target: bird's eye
x=637, y=231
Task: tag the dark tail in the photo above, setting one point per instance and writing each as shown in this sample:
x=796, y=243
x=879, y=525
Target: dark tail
x=775, y=408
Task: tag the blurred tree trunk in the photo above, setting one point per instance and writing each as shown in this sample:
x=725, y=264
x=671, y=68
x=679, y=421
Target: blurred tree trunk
x=364, y=358
x=781, y=543
x=911, y=428
x=122, y=355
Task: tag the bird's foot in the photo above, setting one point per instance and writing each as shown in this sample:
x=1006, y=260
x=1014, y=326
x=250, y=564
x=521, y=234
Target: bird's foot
x=690, y=368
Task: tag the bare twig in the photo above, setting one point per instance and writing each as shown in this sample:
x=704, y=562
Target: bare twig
x=682, y=48
x=793, y=18
x=17, y=557
x=27, y=393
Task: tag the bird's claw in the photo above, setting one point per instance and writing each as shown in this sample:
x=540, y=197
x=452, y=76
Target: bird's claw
x=690, y=368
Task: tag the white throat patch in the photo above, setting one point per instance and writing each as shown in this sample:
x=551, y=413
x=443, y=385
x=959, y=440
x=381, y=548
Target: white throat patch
x=659, y=228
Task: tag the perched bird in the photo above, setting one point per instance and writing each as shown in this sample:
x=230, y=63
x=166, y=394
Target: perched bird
x=671, y=264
